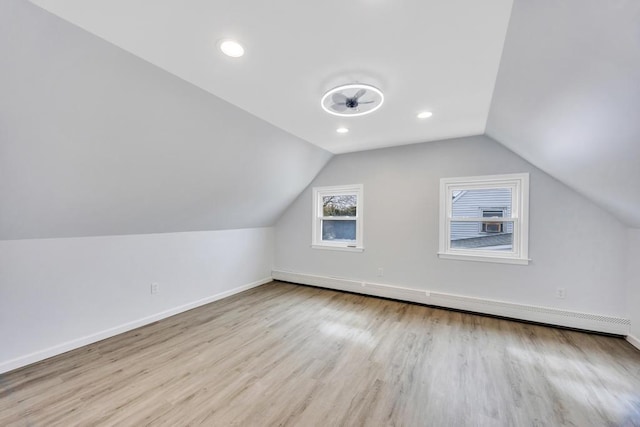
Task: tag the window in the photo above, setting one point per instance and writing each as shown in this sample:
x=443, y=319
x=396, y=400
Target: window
x=485, y=218
x=337, y=218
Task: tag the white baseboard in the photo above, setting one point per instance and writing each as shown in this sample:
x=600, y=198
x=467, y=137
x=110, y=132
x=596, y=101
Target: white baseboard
x=633, y=341
x=46, y=353
x=551, y=316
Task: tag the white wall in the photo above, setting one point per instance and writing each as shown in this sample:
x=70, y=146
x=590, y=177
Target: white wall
x=574, y=244
x=59, y=294
x=633, y=281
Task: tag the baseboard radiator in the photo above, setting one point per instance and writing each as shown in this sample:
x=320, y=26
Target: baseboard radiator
x=545, y=315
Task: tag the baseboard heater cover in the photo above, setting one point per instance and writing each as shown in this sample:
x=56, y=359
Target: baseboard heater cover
x=546, y=315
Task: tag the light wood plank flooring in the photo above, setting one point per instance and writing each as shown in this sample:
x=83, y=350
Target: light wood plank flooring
x=284, y=354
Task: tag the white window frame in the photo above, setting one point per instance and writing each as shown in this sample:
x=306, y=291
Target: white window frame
x=519, y=185
x=337, y=190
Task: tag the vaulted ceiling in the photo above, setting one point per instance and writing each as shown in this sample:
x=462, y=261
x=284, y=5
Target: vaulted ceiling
x=152, y=129
x=96, y=141
x=425, y=55
x=567, y=97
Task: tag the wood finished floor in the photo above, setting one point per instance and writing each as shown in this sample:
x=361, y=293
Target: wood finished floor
x=283, y=354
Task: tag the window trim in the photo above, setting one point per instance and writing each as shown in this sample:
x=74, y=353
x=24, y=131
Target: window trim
x=317, y=218
x=519, y=184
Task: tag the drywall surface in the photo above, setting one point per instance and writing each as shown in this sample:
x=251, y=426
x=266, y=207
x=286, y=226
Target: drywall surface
x=633, y=276
x=297, y=50
x=573, y=243
x=57, y=294
x=95, y=141
x=567, y=96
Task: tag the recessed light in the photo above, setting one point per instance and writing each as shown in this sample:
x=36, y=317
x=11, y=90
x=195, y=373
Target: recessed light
x=342, y=130
x=231, y=48
x=425, y=114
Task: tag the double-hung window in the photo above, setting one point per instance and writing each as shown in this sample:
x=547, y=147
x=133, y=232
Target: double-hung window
x=337, y=217
x=485, y=218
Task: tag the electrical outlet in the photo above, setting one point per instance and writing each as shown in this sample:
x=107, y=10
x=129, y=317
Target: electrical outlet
x=155, y=287
x=380, y=272
x=561, y=293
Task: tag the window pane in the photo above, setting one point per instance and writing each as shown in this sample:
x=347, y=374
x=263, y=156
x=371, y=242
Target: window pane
x=339, y=205
x=497, y=236
x=486, y=202
x=339, y=231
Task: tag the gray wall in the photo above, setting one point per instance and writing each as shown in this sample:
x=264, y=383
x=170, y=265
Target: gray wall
x=633, y=277
x=567, y=96
x=95, y=141
x=574, y=244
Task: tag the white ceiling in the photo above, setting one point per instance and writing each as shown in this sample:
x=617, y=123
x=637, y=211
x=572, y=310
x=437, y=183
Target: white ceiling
x=567, y=97
x=560, y=87
x=441, y=56
x=89, y=146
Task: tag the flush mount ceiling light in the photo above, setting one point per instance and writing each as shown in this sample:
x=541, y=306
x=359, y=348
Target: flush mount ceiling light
x=425, y=114
x=231, y=48
x=352, y=100
x=342, y=130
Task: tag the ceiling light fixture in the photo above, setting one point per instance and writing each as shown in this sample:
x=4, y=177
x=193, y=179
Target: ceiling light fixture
x=342, y=130
x=231, y=48
x=425, y=114
x=352, y=100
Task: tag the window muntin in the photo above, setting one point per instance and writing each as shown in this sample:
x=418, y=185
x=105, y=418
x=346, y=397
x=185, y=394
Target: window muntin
x=485, y=218
x=337, y=217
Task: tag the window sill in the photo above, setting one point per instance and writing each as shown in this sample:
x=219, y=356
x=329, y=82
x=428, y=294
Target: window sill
x=338, y=248
x=484, y=258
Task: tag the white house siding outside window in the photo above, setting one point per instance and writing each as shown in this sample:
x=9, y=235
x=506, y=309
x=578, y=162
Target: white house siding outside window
x=485, y=218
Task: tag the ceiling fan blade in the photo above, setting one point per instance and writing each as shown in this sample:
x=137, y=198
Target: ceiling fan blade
x=359, y=93
x=365, y=102
x=339, y=107
x=339, y=98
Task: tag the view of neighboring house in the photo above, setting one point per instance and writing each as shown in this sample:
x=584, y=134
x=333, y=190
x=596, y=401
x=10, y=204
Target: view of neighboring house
x=478, y=226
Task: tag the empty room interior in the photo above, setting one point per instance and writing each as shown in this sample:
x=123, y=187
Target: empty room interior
x=373, y=212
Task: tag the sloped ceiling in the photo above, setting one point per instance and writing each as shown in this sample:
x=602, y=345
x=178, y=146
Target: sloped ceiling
x=433, y=55
x=95, y=141
x=567, y=97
